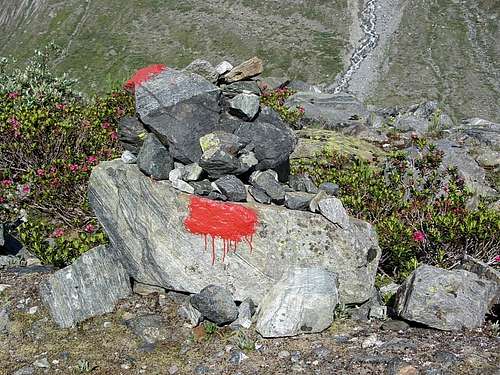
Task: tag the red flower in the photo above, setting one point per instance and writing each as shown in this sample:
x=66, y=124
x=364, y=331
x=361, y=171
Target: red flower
x=84, y=168
x=7, y=182
x=53, y=169
x=114, y=136
x=105, y=125
x=2, y=199
x=26, y=189
x=497, y=259
x=13, y=95
x=89, y=228
x=418, y=236
x=92, y=159
x=60, y=106
x=73, y=167
x=301, y=110
x=59, y=232
x=40, y=172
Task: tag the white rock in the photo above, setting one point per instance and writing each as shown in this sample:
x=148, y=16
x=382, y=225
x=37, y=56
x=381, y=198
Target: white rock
x=333, y=209
x=128, y=158
x=224, y=67
x=183, y=186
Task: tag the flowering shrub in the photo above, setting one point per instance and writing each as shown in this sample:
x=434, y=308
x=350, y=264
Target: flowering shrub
x=276, y=100
x=418, y=208
x=50, y=139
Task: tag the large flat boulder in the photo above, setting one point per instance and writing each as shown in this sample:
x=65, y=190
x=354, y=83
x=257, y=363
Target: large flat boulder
x=442, y=299
x=303, y=301
x=90, y=286
x=165, y=238
x=179, y=107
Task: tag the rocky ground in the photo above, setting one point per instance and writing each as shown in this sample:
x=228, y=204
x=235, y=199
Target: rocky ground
x=146, y=335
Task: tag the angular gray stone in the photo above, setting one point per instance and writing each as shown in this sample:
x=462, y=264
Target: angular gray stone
x=329, y=111
x=484, y=271
x=220, y=140
x=188, y=312
x=131, y=134
x=224, y=67
x=330, y=188
x=272, y=143
x=302, y=183
x=298, y=200
x=245, y=312
x=202, y=188
x=259, y=195
x=150, y=328
x=128, y=157
x=333, y=209
x=183, y=186
x=204, y=69
x=154, y=159
x=192, y=172
x=232, y=187
x=179, y=108
x=2, y=238
x=303, y=301
x=245, y=106
x=268, y=181
x=217, y=163
x=146, y=221
x=247, y=69
x=4, y=321
x=90, y=286
x=216, y=304
x=247, y=160
x=242, y=87
x=442, y=299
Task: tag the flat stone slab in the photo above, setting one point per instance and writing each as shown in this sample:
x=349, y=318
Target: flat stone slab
x=146, y=221
x=90, y=286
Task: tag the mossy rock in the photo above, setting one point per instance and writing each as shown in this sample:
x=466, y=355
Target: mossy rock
x=312, y=142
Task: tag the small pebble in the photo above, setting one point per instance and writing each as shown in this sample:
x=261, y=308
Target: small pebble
x=283, y=354
x=107, y=324
x=42, y=363
x=173, y=370
x=4, y=287
x=33, y=310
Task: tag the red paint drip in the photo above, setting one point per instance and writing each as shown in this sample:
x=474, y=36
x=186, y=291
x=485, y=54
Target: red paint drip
x=232, y=223
x=143, y=75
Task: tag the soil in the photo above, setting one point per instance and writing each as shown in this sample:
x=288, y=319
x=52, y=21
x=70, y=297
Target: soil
x=164, y=343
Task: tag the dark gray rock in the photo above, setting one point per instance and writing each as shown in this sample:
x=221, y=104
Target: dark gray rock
x=236, y=88
x=164, y=253
x=272, y=144
x=202, y=188
x=330, y=188
x=259, y=195
x=329, y=111
x=268, y=181
x=215, y=304
x=2, y=238
x=154, y=159
x=217, y=196
x=179, y=108
x=270, y=116
x=442, y=299
x=203, y=68
x=90, y=286
x=484, y=271
x=245, y=106
x=219, y=140
x=303, y=301
x=247, y=160
x=217, y=163
x=131, y=134
x=303, y=183
x=150, y=328
x=232, y=187
x=298, y=200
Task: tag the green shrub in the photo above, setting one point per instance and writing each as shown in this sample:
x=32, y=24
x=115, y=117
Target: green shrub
x=276, y=100
x=417, y=207
x=50, y=139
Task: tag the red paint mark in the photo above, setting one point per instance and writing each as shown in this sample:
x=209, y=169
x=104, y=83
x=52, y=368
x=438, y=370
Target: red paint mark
x=142, y=75
x=232, y=223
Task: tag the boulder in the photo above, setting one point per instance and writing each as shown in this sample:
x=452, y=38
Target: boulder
x=268, y=181
x=245, y=106
x=302, y=183
x=247, y=69
x=204, y=69
x=442, y=299
x=160, y=235
x=216, y=304
x=484, y=271
x=232, y=187
x=272, y=144
x=91, y=286
x=131, y=134
x=217, y=163
x=179, y=108
x=303, y=301
x=329, y=111
x=154, y=159
x=298, y=200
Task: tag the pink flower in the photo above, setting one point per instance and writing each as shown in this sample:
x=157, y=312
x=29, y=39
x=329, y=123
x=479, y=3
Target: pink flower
x=496, y=259
x=53, y=169
x=114, y=136
x=26, y=189
x=418, y=236
x=92, y=159
x=2, y=199
x=16, y=126
x=105, y=125
x=301, y=110
x=13, y=95
x=89, y=228
x=59, y=232
x=7, y=182
x=40, y=172
x=60, y=106
x=73, y=167
x=84, y=168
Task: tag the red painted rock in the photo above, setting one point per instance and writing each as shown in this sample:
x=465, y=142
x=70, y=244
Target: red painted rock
x=143, y=75
x=165, y=238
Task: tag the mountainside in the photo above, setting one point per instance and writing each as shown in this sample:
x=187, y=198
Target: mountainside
x=406, y=51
